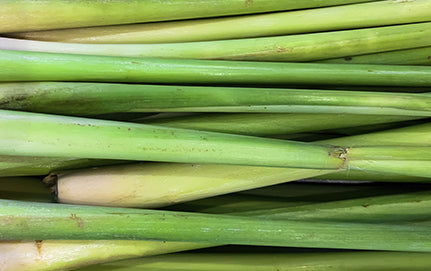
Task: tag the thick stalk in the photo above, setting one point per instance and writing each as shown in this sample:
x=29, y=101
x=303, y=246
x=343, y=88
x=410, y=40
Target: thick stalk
x=293, y=48
x=415, y=56
x=31, y=134
x=54, y=221
x=34, y=66
x=63, y=14
x=334, y=261
x=271, y=24
x=84, y=99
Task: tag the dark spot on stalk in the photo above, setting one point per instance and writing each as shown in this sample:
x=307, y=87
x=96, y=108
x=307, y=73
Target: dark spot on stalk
x=348, y=58
x=418, y=201
x=204, y=138
x=370, y=70
x=78, y=220
x=118, y=128
x=365, y=205
x=38, y=244
x=128, y=129
x=429, y=57
x=134, y=62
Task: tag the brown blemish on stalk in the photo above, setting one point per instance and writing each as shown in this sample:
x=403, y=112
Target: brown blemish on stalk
x=38, y=244
x=341, y=153
x=78, y=220
x=248, y=3
x=348, y=58
x=429, y=57
x=365, y=205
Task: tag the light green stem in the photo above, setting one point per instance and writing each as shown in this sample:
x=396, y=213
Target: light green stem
x=26, y=15
x=303, y=47
x=35, y=66
x=270, y=24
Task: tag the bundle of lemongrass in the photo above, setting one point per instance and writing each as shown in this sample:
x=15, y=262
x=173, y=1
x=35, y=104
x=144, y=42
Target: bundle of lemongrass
x=187, y=105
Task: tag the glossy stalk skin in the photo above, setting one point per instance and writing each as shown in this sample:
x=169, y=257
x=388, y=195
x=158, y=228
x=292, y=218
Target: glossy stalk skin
x=86, y=99
x=55, y=221
x=35, y=66
x=32, y=134
x=270, y=24
x=290, y=48
x=65, y=14
x=314, y=261
x=415, y=56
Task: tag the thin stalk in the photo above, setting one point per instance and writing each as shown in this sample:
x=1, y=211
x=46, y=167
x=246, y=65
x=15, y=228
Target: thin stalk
x=55, y=221
x=32, y=134
x=84, y=99
x=271, y=24
x=35, y=66
x=404, y=208
x=415, y=56
x=64, y=14
x=315, y=261
x=272, y=124
x=358, y=175
x=302, y=47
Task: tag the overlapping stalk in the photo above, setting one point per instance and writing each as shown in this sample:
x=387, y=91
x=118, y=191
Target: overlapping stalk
x=378, y=13
x=304, y=47
x=62, y=14
x=86, y=99
x=35, y=66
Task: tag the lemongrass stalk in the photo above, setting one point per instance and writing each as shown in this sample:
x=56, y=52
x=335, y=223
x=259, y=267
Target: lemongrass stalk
x=358, y=175
x=32, y=134
x=271, y=24
x=85, y=99
x=164, y=184
x=404, y=208
x=302, y=47
x=63, y=14
x=35, y=66
x=415, y=56
x=272, y=124
x=159, y=184
x=55, y=221
x=314, y=261
x=43, y=255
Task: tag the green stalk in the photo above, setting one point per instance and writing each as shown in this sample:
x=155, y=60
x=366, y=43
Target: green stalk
x=31, y=134
x=323, y=261
x=54, y=221
x=358, y=175
x=378, y=13
x=405, y=208
x=34, y=66
x=415, y=56
x=84, y=99
x=64, y=14
x=164, y=184
x=272, y=124
x=303, y=47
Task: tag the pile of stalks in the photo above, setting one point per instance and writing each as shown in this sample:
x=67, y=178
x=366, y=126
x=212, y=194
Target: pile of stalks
x=215, y=135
